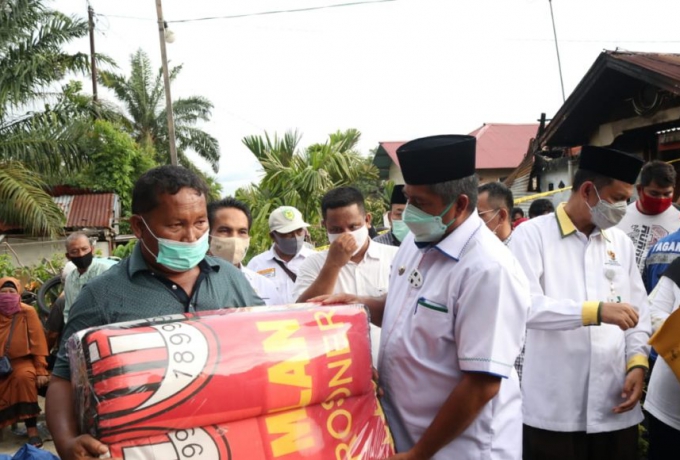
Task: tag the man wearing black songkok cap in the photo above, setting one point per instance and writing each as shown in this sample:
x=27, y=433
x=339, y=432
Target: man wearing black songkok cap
x=586, y=352
x=454, y=317
x=398, y=230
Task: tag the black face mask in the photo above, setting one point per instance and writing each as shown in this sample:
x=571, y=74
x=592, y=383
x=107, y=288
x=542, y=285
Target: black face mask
x=83, y=262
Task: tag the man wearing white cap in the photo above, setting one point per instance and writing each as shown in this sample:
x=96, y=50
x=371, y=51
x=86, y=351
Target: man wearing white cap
x=283, y=260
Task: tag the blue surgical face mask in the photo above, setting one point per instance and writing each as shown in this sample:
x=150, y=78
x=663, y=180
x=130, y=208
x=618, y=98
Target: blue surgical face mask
x=399, y=229
x=179, y=256
x=426, y=228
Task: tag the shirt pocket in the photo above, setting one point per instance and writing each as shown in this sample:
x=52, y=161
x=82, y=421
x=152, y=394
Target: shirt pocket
x=432, y=328
x=431, y=305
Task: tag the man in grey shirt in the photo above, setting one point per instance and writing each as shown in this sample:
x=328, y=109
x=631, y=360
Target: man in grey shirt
x=167, y=273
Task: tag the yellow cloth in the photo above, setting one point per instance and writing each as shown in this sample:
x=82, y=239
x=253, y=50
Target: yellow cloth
x=666, y=341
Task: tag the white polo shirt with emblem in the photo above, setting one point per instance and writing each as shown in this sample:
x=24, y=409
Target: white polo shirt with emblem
x=263, y=287
x=454, y=307
x=574, y=368
x=265, y=264
x=370, y=277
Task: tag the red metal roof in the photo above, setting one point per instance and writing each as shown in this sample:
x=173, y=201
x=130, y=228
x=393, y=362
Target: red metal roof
x=503, y=145
x=499, y=145
x=662, y=63
x=391, y=149
x=91, y=211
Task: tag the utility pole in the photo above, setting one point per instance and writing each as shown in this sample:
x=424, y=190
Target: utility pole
x=557, y=48
x=166, y=80
x=93, y=63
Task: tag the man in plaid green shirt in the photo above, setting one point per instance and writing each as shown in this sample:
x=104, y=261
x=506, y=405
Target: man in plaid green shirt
x=167, y=273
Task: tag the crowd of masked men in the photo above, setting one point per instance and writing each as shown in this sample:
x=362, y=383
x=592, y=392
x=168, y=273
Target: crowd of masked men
x=495, y=336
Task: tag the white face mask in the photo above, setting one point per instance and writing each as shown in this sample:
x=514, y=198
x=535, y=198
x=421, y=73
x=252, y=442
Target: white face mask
x=606, y=215
x=232, y=249
x=360, y=236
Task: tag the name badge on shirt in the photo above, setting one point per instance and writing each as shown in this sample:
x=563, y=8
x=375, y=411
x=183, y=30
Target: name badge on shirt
x=415, y=279
x=268, y=272
x=611, y=258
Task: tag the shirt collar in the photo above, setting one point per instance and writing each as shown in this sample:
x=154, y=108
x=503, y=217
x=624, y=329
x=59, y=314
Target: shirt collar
x=454, y=244
x=373, y=250
x=564, y=223
x=567, y=227
x=138, y=264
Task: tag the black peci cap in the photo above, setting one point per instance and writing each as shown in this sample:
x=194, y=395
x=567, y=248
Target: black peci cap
x=435, y=159
x=398, y=196
x=611, y=163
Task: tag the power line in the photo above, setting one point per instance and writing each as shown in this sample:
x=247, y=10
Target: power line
x=262, y=13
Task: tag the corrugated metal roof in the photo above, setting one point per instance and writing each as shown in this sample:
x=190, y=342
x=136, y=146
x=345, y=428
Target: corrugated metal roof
x=662, y=63
x=96, y=210
x=605, y=94
x=64, y=203
x=502, y=145
x=499, y=145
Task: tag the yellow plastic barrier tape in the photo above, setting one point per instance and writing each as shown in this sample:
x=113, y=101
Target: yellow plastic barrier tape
x=541, y=195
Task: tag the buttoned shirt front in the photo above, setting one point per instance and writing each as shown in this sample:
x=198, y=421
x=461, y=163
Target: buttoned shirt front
x=263, y=287
x=454, y=307
x=573, y=375
x=266, y=265
x=75, y=281
x=370, y=277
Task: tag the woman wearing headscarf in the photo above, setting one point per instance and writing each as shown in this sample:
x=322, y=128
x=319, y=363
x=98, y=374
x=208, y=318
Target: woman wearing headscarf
x=26, y=351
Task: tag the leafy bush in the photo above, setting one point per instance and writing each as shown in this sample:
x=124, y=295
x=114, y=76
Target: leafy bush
x=32, y=277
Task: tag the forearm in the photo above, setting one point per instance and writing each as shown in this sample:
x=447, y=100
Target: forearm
x=52, y=338
x=376, y=307
x=59, y=412
x=459, y=411
x=40, y=365
x=324, y=284
x=553, y=314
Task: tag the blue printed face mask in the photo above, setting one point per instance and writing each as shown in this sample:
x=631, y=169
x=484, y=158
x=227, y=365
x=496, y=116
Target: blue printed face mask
x=426, y=228
x=179, y=256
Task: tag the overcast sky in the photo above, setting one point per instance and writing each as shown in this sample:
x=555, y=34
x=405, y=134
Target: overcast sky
x=395, y=70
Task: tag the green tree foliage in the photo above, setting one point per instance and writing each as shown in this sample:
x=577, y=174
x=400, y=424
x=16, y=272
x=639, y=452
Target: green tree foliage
x=23, y=201
x=31, y=55
x=300, y=178
x=32, y=59
x=143, y=94
x=117, y=162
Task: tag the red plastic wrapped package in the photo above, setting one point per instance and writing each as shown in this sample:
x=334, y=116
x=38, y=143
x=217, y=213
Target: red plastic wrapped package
x=352, y=428
x=170, y=374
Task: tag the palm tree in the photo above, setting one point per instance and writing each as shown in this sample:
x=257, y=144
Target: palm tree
x=301, y=178
x=142, y=93
x=24, y=202
x=45, y=140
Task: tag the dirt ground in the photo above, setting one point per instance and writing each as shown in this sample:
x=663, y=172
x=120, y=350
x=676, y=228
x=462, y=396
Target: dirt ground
x=12, y=440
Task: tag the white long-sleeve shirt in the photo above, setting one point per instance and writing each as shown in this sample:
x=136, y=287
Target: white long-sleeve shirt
x=663, y=393
x=574, y=368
